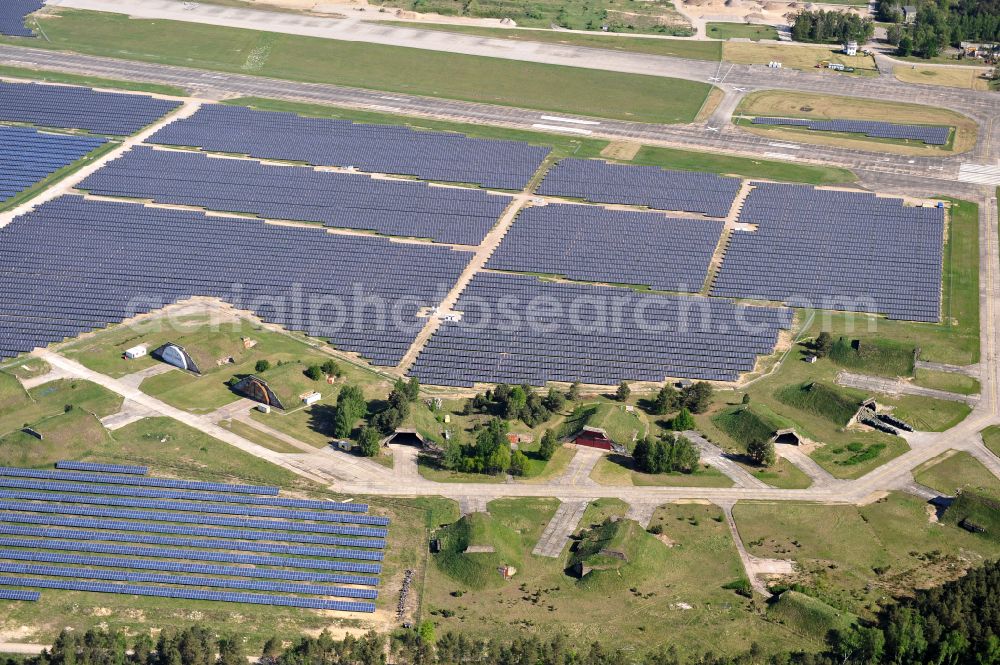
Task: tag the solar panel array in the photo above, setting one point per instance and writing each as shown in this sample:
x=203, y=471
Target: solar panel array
x=598, y=181
x=144, y=482
x=68, y=107
x=929, y=134
x=17, y=594
x=44, y=544
x=546, y=331
x=458, y=215
x=28, y=156
x=70, y=465
x=836, y=250
x=594, y=244
x=374, y=148
x=73, y=265
x=12, y=16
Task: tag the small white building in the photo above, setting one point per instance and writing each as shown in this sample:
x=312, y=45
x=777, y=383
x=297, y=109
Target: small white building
x=311, y=398
x=135, y=352
x=851, y=48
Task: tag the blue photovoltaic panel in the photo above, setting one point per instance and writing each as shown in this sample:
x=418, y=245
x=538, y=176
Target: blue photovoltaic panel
x=193, y=555
x=207, y=532
x=28, y=156
x=836, y=250
x=127, y=490
x=343, y=518
x=592, y=244
x=457, y=215
x=8, y=529
x=102, y=468
x=187, y=567
x=73, y=265
x=191, y=594
x=929, y=134
x=550, y=331
x=12, y=16
x=650, y=186
x=145, y=482
x=16, y=594
x=70, y=107
x=373, y=148
x=185, y=580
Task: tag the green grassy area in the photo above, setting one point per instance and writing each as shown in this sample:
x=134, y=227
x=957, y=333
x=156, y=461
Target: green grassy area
x=391, y=68
x=55, y=177
x=91, y=81
x=977, y=511
x=951, y=382
x=621, y=426
x=628, y=16
x=615, y=554
x=927, y=414
x=807, y=615
x=783, y=475
x=742, y=166
x=680, y=595
x=833, y=403
x=28, y=368
x=253, y=434
x=855, y=558
x=679, y=48
x=752, y=422
x=619, y=470
x=73, y=432
x=19, y=408
x=475, y=547
x=955, y=472
x=882, y=357
x=991, y=437
x=740, y=31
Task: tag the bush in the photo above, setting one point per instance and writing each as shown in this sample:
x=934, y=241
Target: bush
x=314, y=372
x=741, y=586
x=369, y=441
x=262, y=365
x=762, y=452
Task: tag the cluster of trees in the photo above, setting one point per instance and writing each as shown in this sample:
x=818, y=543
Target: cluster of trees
x=828, y=27
x=318, y=372
x=519, y=403
x=669, y=453
x=940, y=23
x=353, y=407
x=957, y=623
x=696, y=398
x=822, y=345
x=397, y=408
x=761, y=451
x=491, y=453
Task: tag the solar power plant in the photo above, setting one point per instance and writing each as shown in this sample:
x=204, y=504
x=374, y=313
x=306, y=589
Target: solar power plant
x=455, y=215
x=73, y=265
x=146, y=482
x=546, y=331
x=592, y=244
x=12, y=16
x=836, y=250
x=598, y=181
x=69, y=465
x=49, y=541
x=929, y=134
x=28, y=156
x=17, y=594
x=436, y=156
x=67, y=107
x=191, y=594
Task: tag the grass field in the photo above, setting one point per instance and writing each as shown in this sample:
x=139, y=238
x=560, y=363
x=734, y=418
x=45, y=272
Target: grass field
x=680, y=595
x=628, y=16
x=928, y=414
x=391, y=68
x=797, y=57
x=740, y=31
x=678, y=48
x=619, y=471
x=831, y=107
x=835, y=404
x=90, y=81
x=783, y=475
x=949, y=381
x=807, y=615
x=991, y=437
x=970, y=78
x=881, y=357
x=741, y=166
x=854, y=558
x=251, y=433
x=957, y=471
x=19, y=408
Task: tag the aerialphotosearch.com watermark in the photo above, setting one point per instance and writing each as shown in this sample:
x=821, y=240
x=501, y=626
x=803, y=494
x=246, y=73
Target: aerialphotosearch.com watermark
x=585, y=310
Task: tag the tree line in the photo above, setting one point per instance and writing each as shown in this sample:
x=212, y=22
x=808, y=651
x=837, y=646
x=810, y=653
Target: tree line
x=939, y=24
x=957, y=623
x=830, y=27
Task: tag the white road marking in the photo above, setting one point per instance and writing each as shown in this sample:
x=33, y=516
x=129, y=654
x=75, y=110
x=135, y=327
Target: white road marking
x=787, y=146
x=575, y=121
x=557, y=128
x=780, y=155
x=979, y=174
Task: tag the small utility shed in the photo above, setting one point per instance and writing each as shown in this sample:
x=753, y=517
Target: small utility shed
x=594, y=437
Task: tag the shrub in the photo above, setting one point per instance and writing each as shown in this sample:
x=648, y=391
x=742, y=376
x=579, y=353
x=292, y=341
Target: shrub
x=262, y=365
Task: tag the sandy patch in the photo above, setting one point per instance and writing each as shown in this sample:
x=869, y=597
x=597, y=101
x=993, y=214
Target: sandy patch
x=621, y=150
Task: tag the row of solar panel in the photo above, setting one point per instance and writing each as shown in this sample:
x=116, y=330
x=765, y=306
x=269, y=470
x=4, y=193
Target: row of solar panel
x=70, y=465
x=189, y=594
x=117, y=479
